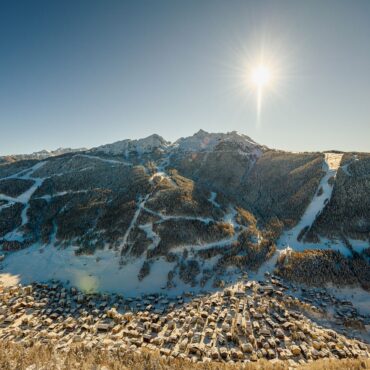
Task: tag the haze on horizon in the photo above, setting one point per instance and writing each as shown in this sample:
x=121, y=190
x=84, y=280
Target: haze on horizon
x=85, y=73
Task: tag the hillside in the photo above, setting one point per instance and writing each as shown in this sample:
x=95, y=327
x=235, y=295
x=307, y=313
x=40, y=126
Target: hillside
x=147, y=217
x=179, y=208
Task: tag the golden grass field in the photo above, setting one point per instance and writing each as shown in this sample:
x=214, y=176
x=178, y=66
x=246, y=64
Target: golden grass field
x=41, y=357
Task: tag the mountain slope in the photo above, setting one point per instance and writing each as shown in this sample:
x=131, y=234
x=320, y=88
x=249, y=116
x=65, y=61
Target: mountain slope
x=194, y=213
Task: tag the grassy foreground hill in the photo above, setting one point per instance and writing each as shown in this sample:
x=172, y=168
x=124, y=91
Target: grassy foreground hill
x=18, y=357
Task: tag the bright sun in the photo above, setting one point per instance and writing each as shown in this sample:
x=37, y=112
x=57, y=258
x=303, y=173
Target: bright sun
x=261, y=72
x=260, y=76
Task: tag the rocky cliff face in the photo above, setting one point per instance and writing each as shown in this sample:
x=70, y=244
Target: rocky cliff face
x=199, y=210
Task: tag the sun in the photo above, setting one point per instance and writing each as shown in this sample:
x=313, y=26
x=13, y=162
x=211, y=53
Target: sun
x=260, y=79
x=262, y=68
x=260, y=76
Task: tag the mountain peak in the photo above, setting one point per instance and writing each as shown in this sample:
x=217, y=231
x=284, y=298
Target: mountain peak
x=145, y=145
x=206, y=141
x=200, y=141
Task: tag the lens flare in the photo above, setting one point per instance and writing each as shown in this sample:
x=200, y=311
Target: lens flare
x=262, y=67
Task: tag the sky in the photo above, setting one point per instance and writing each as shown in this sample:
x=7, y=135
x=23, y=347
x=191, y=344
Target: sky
x=84, y=73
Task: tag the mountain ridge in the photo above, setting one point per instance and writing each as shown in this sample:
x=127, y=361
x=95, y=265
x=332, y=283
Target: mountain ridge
x=188, y=143
x=195, y=208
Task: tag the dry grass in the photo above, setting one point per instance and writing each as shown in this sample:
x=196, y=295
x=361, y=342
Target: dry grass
x=17, y=357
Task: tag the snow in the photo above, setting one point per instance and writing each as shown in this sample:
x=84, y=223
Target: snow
x=345, y=167
x=25, y=174
x=229, y=218
x=43, y=154
x=162, y=175
x=164, y=217
x=333, y=160
x=140, y=146
x=324, y=243
x=6, y=205
x=269, y=265
x=205, y=141
x=88, y=273
x=150, y=234
x=24, y=198
x=360, y=298
x=134, y=220
x=48, y=197
x=7, y=198
x=212, y=199
x=161, y=169
x=359, y=245
x=209, y=263
x=203, y=246
x=102, y=271
x=111, y=161
x=289, y=238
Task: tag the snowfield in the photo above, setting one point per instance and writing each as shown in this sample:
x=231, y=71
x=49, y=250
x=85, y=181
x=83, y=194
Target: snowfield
x=99, y=272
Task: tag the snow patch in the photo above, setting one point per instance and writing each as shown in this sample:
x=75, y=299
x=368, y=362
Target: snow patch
x=289, y=238
x=150, y=234
x=141, y=205
x=111, y=161
x=212, y=199
x=162, y=175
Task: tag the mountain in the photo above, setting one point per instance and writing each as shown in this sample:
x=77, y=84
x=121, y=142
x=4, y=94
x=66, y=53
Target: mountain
x=140, y=215
x=210, y=248
x=208, y=142
x=42, y=154
x=126, y=147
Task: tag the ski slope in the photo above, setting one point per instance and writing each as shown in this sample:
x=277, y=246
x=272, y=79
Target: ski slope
x=320, y=199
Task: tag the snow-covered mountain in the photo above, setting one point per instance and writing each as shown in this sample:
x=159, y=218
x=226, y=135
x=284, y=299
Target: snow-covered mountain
x=140, y=146
x=42, y=154
x=138, y=215
x=205, y=141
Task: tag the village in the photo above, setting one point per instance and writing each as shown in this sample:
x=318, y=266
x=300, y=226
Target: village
x=245, y=322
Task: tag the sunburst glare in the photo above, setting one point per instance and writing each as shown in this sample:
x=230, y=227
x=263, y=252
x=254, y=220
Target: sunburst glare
x=260, y=78
x=261, y=71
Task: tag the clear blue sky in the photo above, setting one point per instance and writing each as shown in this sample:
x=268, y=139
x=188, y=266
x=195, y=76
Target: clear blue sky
x=83, y=73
